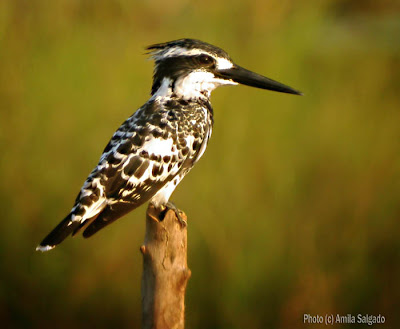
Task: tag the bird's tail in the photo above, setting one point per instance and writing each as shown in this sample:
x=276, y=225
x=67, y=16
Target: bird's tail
x=58, y=234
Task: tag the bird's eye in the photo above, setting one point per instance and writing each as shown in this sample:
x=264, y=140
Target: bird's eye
x=205, y=59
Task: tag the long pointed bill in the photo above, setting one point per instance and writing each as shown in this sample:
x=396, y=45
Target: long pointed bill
x=249, y=78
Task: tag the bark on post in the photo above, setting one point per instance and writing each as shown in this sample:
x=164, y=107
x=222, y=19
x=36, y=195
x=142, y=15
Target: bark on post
x=165, y=271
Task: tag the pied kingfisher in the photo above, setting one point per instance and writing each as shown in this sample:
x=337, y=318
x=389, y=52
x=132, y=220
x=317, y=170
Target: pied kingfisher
x=157, y=146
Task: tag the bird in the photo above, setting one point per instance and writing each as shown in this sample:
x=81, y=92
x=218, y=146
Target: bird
x=151, y=152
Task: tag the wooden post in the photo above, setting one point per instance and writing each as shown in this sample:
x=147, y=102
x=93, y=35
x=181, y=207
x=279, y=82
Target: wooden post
x=165, y=271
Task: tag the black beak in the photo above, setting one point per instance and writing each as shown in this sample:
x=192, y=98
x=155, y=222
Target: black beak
x=248, y=78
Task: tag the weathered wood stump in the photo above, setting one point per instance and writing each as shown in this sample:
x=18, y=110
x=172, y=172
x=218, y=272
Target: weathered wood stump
x=165, y=271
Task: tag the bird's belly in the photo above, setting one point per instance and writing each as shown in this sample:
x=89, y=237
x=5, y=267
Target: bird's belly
x=163, y=195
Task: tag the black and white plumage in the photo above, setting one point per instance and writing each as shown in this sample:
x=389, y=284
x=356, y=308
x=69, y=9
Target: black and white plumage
x=157, y=146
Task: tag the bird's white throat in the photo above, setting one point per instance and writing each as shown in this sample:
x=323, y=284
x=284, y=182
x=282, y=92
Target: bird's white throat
x=197, y=84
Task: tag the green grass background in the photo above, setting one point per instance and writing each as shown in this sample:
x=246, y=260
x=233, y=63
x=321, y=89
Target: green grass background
x=295, y=206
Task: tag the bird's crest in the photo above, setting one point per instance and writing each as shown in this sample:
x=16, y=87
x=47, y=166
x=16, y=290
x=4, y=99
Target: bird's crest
x=184, y=47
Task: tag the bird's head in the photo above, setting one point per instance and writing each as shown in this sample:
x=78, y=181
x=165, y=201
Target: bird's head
x=191, y=69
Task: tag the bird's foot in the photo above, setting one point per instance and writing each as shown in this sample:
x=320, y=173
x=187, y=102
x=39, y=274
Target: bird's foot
x=178, y=213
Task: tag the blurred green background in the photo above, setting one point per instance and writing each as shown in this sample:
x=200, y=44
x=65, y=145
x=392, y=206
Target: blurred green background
x=293, y=210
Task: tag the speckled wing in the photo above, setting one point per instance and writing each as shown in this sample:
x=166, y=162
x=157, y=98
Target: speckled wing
x=152, y=147
x=158, y=143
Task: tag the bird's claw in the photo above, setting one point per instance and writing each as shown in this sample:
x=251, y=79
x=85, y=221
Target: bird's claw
x=178, y=213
